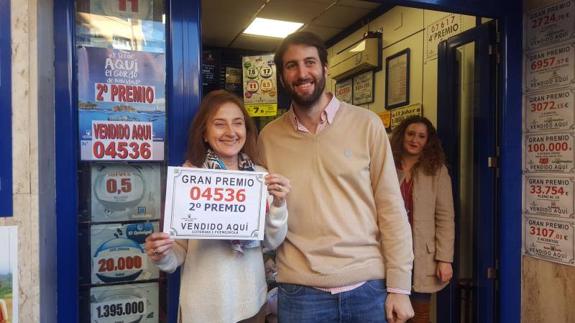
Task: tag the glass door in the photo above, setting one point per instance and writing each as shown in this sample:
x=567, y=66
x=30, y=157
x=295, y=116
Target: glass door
x=467, y=126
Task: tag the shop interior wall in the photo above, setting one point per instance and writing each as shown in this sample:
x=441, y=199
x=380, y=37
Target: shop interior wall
x=33, y=158
x=547, y=289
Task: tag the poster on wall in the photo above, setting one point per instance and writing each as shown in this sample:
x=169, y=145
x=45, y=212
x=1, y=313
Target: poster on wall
x=125, y=192
x=260, y=85
x=118, y=253
x=550, y=25
x=215, y=204
x=121, y=104
x=233, y=79
x=438, y=31
x=552, y=153
x=549, y=196
x=549, y=239
x=550, y=110
x=363, y=88
x=344, y=91
x=124, y=303
x=397, y=79
x=9, y=274
x=549, y=67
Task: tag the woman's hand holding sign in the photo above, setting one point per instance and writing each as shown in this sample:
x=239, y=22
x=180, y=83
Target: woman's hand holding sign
x=278, y=187
x=157, y=246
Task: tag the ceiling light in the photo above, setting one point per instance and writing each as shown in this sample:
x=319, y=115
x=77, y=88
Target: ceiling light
x=272, y=27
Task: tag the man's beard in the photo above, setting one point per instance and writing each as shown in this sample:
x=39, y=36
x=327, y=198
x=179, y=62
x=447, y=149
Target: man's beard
x=309, y=100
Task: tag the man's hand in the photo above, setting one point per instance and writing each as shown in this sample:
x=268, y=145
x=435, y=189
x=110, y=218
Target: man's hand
x=398, y=308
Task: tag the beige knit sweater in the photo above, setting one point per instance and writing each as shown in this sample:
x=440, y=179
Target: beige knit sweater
x=347, y=218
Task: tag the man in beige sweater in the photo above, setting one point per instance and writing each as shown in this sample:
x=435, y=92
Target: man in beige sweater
x=348, y=253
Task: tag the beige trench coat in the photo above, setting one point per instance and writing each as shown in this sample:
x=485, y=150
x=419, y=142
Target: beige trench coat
x=433, y=227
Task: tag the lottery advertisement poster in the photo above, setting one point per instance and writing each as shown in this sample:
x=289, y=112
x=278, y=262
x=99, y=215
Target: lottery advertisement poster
x=260, y=85
x=549, y=67
x=125, y=192
x=121, y=104
x=118, y=253
x=549, y=196
x=124, y=303
x=215, y=204
x=551, y=24
x=551, y=152
x=549, y=239
x=550, y=110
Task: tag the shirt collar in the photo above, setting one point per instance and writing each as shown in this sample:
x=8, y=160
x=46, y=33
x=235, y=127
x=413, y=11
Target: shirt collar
x=327, y=115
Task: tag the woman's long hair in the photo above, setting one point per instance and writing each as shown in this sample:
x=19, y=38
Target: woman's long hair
x=197, y=147
x=432, y=156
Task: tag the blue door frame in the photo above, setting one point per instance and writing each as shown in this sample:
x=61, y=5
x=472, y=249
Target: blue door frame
x=183, y=96
x=5, y=111
x=484, y=178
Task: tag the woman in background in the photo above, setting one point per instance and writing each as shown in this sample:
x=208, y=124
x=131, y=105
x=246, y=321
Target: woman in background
x=426, y=190
x=223, y=280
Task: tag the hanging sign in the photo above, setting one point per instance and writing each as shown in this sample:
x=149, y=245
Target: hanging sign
x=439, y=30
x=549, y=67
x=550, y=25
x=550, y=110
x=551, y=153
x=118, y=253
x=215, y=204
x=552, y=196
x=260, y=88
x=125, y=303
x=125, y=192
x=549, y=240
x=122, y=104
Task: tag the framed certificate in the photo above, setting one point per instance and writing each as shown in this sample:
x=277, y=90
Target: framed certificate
x=397, y=79
x=363, y=88
x=215, y=204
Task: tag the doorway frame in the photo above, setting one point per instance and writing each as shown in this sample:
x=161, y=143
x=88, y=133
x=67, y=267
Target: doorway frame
x=183, y=89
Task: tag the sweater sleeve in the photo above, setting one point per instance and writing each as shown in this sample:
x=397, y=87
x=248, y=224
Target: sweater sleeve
x=174, y=258
x=276, y=225
x=444, y=218
x=395, y=232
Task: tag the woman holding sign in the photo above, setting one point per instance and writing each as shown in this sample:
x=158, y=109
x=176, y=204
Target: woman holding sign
x=426, y=188
x=223, y=280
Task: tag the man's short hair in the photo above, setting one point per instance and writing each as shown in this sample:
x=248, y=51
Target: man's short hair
x=300, y=38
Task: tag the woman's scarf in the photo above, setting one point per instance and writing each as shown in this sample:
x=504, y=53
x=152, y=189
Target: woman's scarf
x=213, y=161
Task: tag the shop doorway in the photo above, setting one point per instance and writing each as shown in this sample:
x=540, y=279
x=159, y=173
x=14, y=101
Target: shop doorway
x=467, y=117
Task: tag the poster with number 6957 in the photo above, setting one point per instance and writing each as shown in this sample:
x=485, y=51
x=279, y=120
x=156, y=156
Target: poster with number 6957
x=215, y=204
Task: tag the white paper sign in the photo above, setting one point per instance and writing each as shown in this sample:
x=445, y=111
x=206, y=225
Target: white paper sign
x=549, y=239
x=550, y=110
x=122, y=140
x=552, y=196
x=124, y=303
x=440, y=30
x=215, y=204
x=550, y=25
x=551, y=153
x=549, y=67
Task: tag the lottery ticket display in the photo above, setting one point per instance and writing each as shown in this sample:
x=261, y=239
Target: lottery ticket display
x=122, y=192
x=124, y=303
x=118, y=253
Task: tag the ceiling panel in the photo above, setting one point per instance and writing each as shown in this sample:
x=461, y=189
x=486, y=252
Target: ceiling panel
x=224, y=20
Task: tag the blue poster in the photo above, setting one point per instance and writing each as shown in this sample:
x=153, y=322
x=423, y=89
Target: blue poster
x=122, y=110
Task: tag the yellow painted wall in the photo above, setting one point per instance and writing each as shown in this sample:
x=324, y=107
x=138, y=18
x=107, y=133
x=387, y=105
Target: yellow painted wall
x=401, y=28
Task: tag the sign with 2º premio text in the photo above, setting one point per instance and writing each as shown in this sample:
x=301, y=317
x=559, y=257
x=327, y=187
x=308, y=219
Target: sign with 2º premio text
x=121, y=104
x=215, y=204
